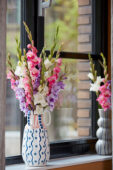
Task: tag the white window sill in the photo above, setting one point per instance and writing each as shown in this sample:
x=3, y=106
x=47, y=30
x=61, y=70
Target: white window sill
x=64, y=162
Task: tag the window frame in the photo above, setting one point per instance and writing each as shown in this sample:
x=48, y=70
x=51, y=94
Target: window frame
x=29, y=14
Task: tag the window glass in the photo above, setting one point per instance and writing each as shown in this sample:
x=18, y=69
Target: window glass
x=71, y=119
x=74, y=20
x=12, y=133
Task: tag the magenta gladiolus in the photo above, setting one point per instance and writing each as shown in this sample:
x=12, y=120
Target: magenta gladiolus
x=104, y=98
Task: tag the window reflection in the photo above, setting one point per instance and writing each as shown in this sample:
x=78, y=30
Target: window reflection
x=12, y=133
x=71, y=119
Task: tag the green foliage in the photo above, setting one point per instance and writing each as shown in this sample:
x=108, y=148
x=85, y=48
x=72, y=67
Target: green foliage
x=64, y=14
x=54, y=44
x=28, y=32
x=19, y=52
x=10, y=65
x=104, y=66
x=12, y=32
x=92, y=69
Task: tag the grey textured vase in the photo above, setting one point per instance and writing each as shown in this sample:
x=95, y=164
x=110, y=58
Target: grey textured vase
x=103, y=145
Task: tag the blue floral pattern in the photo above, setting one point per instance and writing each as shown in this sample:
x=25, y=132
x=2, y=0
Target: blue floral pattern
x=35, y=147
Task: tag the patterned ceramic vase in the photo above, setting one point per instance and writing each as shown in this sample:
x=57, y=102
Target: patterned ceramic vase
x=103, y=145
x=35, y=147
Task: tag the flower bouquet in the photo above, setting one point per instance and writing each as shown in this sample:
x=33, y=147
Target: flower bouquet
x=102, y=88
x=37, y=82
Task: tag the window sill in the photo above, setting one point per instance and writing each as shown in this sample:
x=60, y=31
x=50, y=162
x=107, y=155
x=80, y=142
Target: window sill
x=64, y=162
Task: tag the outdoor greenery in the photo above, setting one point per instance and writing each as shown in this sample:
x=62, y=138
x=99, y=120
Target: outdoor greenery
x=64, y=14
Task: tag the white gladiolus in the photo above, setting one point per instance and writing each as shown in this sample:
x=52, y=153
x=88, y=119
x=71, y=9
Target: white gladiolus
x=21, y=84
x=48, y=63
x=90, y=75
x=99, y=80
x=45, y=90
x=95, y=86
x=18, y=71
x=40, y=99
x=47, y=74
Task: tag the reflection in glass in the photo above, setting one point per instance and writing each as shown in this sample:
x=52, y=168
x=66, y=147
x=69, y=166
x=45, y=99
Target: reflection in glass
x=74, y=20
x=67, y=120
x=12, y=133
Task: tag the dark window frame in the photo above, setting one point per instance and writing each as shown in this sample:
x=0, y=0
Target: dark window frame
x=29, y=14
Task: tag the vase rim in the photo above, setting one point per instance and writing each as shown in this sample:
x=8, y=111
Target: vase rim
x=100, y=109
x=103, y=109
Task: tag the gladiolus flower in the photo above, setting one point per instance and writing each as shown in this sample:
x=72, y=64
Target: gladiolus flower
x=59, y=61
x=9, y=75
x=57, y=70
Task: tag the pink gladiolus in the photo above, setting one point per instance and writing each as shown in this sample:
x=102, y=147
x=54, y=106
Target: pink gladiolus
x=51, y=81
x=57, y=70
x=30, y=55
x=26, y=80
x=102, y=88
x=35, y=72
x=29, y=46
x=100, y=98
x=52, y=78
x=13, y=84
x=107, y=93
x=27, y=88
x=106, y=105
x=59, y=61
x=36, y=60
x=9, y=75
x=28, y=100
x=34, y=50
x=104, y=98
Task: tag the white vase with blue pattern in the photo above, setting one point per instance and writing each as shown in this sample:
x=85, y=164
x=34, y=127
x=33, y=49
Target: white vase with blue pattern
x=104, y=145
x=35, y=146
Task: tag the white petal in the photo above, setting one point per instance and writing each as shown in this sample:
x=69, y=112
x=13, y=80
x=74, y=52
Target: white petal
x=47, y=63
x=21, y=84
x=90, y=75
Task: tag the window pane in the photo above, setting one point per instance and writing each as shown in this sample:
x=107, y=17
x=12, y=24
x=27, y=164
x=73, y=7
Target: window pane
x=12, y=133
x=74, y=19
x=71, y=118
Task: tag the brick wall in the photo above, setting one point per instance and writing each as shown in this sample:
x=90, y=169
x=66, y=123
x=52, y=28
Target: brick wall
x=83, y=99
x=84, y=46
x=84, y=25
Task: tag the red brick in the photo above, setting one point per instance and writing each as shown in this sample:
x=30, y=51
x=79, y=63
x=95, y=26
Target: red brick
x=84, y=10
x=83, y=113
x=83, y=66
x=84, y=20
x=84, y=85
x=84, y=29
x=84, y=47
x=83, y=76
x=83, y=104
x=84, y=38
x=83, y=94
x=83, y=2
x=83, y=131
x=86, y=122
